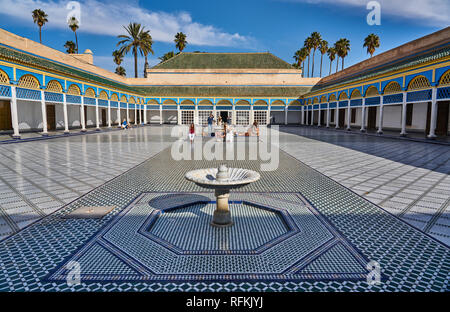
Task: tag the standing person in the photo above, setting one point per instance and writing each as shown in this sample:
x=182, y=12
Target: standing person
x=192, y=133
x=210, y=124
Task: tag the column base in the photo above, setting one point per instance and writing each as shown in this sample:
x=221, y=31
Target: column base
x=66, y=132
x=431, y=136
x=44, y=134
x=98, y=129
x=16, y=137
x=83, y=130
x=403, y=134
x=222, y=219
x=379, y=132
x=349, y=129
x=363, y=130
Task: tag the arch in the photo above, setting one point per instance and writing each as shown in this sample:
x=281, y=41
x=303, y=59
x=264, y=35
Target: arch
x=4, y=78
x=295, y=103
x=309, y=102
x=419, y=83
x=243, y=103
x=332, y=98
x=260, y=103
x=277, y=103
x=323, y=99
x=205, y=102
x=54, y=86
x=103, y=95
x=445, y=79
x=316, y=100
x=169, y=102
x=224, y=103
x=123, y=99
x=114, y=97
x=372, y=91
x=29, y=82
x=187, y=102
x=152, y=102
x=356, y=94
x=74, y=90
x=89, y=93
x=132, y=100
x=343, y=96
x=392, y=87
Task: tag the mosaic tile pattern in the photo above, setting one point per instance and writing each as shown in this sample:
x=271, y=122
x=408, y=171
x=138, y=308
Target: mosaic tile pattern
x=410, y=259
x=409, y=179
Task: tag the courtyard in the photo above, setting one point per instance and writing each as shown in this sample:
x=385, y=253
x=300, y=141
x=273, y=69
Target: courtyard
x=337, y=207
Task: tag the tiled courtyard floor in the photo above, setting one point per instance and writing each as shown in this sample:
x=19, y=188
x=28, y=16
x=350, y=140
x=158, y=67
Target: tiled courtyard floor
x=307, y=231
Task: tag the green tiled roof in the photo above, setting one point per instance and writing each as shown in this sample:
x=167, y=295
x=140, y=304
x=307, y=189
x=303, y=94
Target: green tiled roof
x=224, y=61
x=223, y=91
x=396, y=65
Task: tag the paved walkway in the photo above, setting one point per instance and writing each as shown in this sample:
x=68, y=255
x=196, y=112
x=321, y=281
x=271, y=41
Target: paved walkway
x=37, y=178
x=409, y=179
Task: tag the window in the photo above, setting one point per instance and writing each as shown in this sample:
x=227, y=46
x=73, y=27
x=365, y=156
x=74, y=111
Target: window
x=187, y=117
x=409, y=114
x=353, y=120
x=260, y=117
x=242, y=118
x=203, y=117
x=333, y=113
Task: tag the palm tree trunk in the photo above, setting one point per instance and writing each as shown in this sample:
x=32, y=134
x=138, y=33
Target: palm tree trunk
x=76, y=40
x=343, y=63
x=308, y=66
x=314, y=56
x=321, y=64
x=303, y=69
x=331, y=63
x=337, y=64
x=40, y=34
x=135, y=65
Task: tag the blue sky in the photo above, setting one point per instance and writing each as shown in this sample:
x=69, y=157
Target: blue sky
x=277, y=26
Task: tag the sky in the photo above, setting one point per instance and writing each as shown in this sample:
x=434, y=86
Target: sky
x=276, y=26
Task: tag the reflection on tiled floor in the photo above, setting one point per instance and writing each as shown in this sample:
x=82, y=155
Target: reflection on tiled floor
x=35, y=258
x=37, y=178
x=408, y=179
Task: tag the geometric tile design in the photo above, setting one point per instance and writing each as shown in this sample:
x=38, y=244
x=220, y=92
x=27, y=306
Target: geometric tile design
x=272, y=239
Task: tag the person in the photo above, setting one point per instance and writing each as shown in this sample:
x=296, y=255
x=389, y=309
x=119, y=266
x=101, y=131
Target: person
x=210, y=124
x=192, y=133
x=253, y=130
x=125, y=124
x=229, y=133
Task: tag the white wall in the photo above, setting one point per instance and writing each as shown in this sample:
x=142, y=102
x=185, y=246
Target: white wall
x=170, y=117
x=153, y=116
x=295, y=117
x=29, y=115
x=419, y=117
x=392, y=116
x=90, y=116
x=59, y=114
x=279, y=117
x=73, y=113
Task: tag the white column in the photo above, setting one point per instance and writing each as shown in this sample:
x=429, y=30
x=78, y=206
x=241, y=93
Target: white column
x=179, y=114
x=312, y=116
x=336, y=116
x=14, y=115
x=380, y=120
x=196, y=117
x=135, y=114
x=306, y=116
x=328, y=115
x=303, y=115
x=97, y=120
x=118, y=114
x=320, y=113
x=160, y=115
x=403, y=132
x=44, y=114
x=268, y=114
x=434, y=109
x=128, y=113
x=286, y=115
x=349, y=117
x=66, y=116
x=82, y=120
x=145, y=114
x=233, y=116
x=109, y=114
x=363, y=115
x=252, y=115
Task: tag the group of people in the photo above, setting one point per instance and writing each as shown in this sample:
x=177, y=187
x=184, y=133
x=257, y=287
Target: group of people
x=227, y=132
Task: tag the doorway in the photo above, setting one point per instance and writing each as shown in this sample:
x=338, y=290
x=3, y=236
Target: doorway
x=103, y=117
x=442, y=118
x=5, y=115
x=372, y=118
x=342, y=118
x=322, y=117
x=224, y=116
x=51, y=117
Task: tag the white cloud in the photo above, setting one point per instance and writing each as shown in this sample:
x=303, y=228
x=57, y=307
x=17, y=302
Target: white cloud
x=429, y=12
x=107, y=18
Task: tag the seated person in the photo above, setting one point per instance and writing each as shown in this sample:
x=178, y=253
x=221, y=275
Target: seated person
x=229, y=133
x=253, y=130
x=125, y=124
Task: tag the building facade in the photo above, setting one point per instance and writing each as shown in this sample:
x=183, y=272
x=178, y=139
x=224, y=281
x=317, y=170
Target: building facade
x=406, y=89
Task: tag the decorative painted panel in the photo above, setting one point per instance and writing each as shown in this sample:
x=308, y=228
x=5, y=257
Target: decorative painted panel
x=28, y=94
x=394, y=98
x=443, y=93
x=373, y=101
x=75, y=99
x=53, y=97
x=5, y=91
x=419, y=96
x=102, y=102
x=356, y=103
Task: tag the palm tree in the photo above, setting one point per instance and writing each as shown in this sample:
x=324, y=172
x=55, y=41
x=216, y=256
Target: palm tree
x=117, y=57
x=343, y=49
x=336, y=49
x=297, y=57
x=323, y=48
x=146, y=48
x=74, y=25
x=372, y=42
x=135, y=41
x=331, y=55
x=316, y=40
x=70, y=47
x=180, y=41
x=303, y=54
x=166, y=56
x=121, y=71
x=39, y=18
x=308, y=46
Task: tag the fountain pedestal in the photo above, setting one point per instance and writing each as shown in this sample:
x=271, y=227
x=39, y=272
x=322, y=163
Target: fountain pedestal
x=222, y=180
